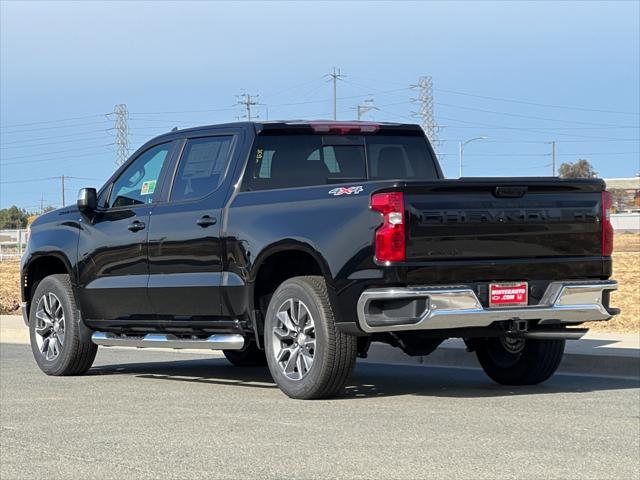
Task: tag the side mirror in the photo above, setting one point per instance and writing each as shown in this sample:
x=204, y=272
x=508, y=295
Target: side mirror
x=87, y=200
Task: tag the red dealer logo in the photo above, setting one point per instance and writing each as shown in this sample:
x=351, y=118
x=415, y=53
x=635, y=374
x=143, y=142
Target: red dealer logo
x=508, y=294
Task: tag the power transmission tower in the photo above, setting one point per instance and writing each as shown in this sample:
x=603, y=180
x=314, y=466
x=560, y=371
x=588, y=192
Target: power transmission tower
x=122, y=133
x=364, y=107
x=335, y=76
x=425, y=113
x=247, y=101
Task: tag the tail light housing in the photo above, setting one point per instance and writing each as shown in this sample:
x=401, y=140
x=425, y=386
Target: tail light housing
x=607, y=227
x=390, y=236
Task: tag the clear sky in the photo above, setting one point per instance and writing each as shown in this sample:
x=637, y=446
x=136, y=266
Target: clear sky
x=519, y=73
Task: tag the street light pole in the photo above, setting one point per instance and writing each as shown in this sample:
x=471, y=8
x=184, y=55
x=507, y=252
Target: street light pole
x=461, y=149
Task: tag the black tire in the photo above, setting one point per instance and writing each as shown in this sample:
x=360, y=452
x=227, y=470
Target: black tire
x=76, y=352
x=530, y=364
x=334, y=353
x=250, y=356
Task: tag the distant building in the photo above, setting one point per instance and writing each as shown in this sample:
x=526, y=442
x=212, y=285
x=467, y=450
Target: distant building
x=630, y=199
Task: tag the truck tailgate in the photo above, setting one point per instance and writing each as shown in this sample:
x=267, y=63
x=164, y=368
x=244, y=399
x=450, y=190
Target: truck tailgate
x=503, y=218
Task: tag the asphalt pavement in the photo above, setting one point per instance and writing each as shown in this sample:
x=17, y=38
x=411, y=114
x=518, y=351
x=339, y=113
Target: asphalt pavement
x=150, y=414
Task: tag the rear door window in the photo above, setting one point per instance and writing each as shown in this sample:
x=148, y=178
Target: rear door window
x=202, y=167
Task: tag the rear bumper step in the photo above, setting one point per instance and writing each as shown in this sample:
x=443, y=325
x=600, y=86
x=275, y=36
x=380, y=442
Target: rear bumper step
x=153, y=340
x=436, y=308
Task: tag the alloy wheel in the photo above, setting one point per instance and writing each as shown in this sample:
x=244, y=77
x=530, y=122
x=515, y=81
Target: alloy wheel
x=294, y=339
x=50, y=327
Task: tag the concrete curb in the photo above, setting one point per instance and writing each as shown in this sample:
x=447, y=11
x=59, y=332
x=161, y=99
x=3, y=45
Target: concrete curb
x=598, y=354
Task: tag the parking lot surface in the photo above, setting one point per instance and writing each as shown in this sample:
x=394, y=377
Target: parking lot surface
x=149, y=414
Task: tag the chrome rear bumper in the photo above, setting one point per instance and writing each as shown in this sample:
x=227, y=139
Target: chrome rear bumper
x=569, y=302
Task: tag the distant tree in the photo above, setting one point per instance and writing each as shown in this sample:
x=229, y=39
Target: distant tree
x=620, y=198
x=13, y=218
x=580, y=169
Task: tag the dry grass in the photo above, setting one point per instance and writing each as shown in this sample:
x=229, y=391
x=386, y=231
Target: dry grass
x=626, y=269
x=9, y=286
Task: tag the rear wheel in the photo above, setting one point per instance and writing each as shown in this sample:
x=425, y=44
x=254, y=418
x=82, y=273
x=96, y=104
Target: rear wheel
x=307, y=355
x=60, y=342
x=513, y=361
x=250, y=356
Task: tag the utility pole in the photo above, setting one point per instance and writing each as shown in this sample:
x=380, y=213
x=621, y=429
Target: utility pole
x=247, y=101
x=122, y=133
x=553, y=158
x=62, y=178
x=334, y=77
x=41, y=203
x=364, y=107
x=425, y=112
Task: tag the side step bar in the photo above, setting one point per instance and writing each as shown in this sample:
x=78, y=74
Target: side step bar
x=154, y=340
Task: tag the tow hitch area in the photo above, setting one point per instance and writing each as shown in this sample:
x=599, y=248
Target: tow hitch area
x=520, y=329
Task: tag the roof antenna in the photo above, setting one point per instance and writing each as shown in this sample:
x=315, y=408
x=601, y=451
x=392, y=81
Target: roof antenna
x=174, y=129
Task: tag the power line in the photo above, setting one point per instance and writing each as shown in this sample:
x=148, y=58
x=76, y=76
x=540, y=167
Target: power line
x=31, y=145
x=56, y=127
x=222, y=109
x=524, y=102
x=525, y=116
x=539, y=142
x=57, y=152
x=60, y=120
x=55, y=159
x=67, y=135
x=548, y=154
x=40, y=179
x=537, y=130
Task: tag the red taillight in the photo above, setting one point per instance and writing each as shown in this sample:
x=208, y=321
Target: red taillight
x=344, y=128
x=607, y=227
x=390, y=237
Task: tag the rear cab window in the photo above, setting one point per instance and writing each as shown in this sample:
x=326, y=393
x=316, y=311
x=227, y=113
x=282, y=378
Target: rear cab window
x=298, y=160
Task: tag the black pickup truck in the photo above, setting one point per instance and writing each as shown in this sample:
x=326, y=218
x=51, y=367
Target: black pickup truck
x=297, y=244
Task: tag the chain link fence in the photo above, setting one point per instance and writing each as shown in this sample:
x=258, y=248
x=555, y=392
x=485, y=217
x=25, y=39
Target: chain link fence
x=12, y=243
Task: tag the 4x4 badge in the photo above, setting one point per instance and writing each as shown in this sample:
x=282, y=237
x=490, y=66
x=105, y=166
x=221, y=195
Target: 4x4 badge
x=336, y=192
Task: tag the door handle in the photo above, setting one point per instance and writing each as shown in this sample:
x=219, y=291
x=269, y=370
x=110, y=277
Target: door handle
x=136, y=226
x=206, y=221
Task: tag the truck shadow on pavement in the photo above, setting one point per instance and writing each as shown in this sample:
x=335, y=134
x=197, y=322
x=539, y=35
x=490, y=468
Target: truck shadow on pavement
x=369, y=379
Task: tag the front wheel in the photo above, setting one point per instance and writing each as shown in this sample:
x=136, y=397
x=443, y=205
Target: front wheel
x=60, y=342
x=308, y=356
x=514, y=361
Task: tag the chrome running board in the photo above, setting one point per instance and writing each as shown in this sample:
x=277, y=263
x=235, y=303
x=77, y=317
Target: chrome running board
x=154, y=340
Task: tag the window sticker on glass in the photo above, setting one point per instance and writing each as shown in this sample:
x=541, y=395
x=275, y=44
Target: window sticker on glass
x=148, y=187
